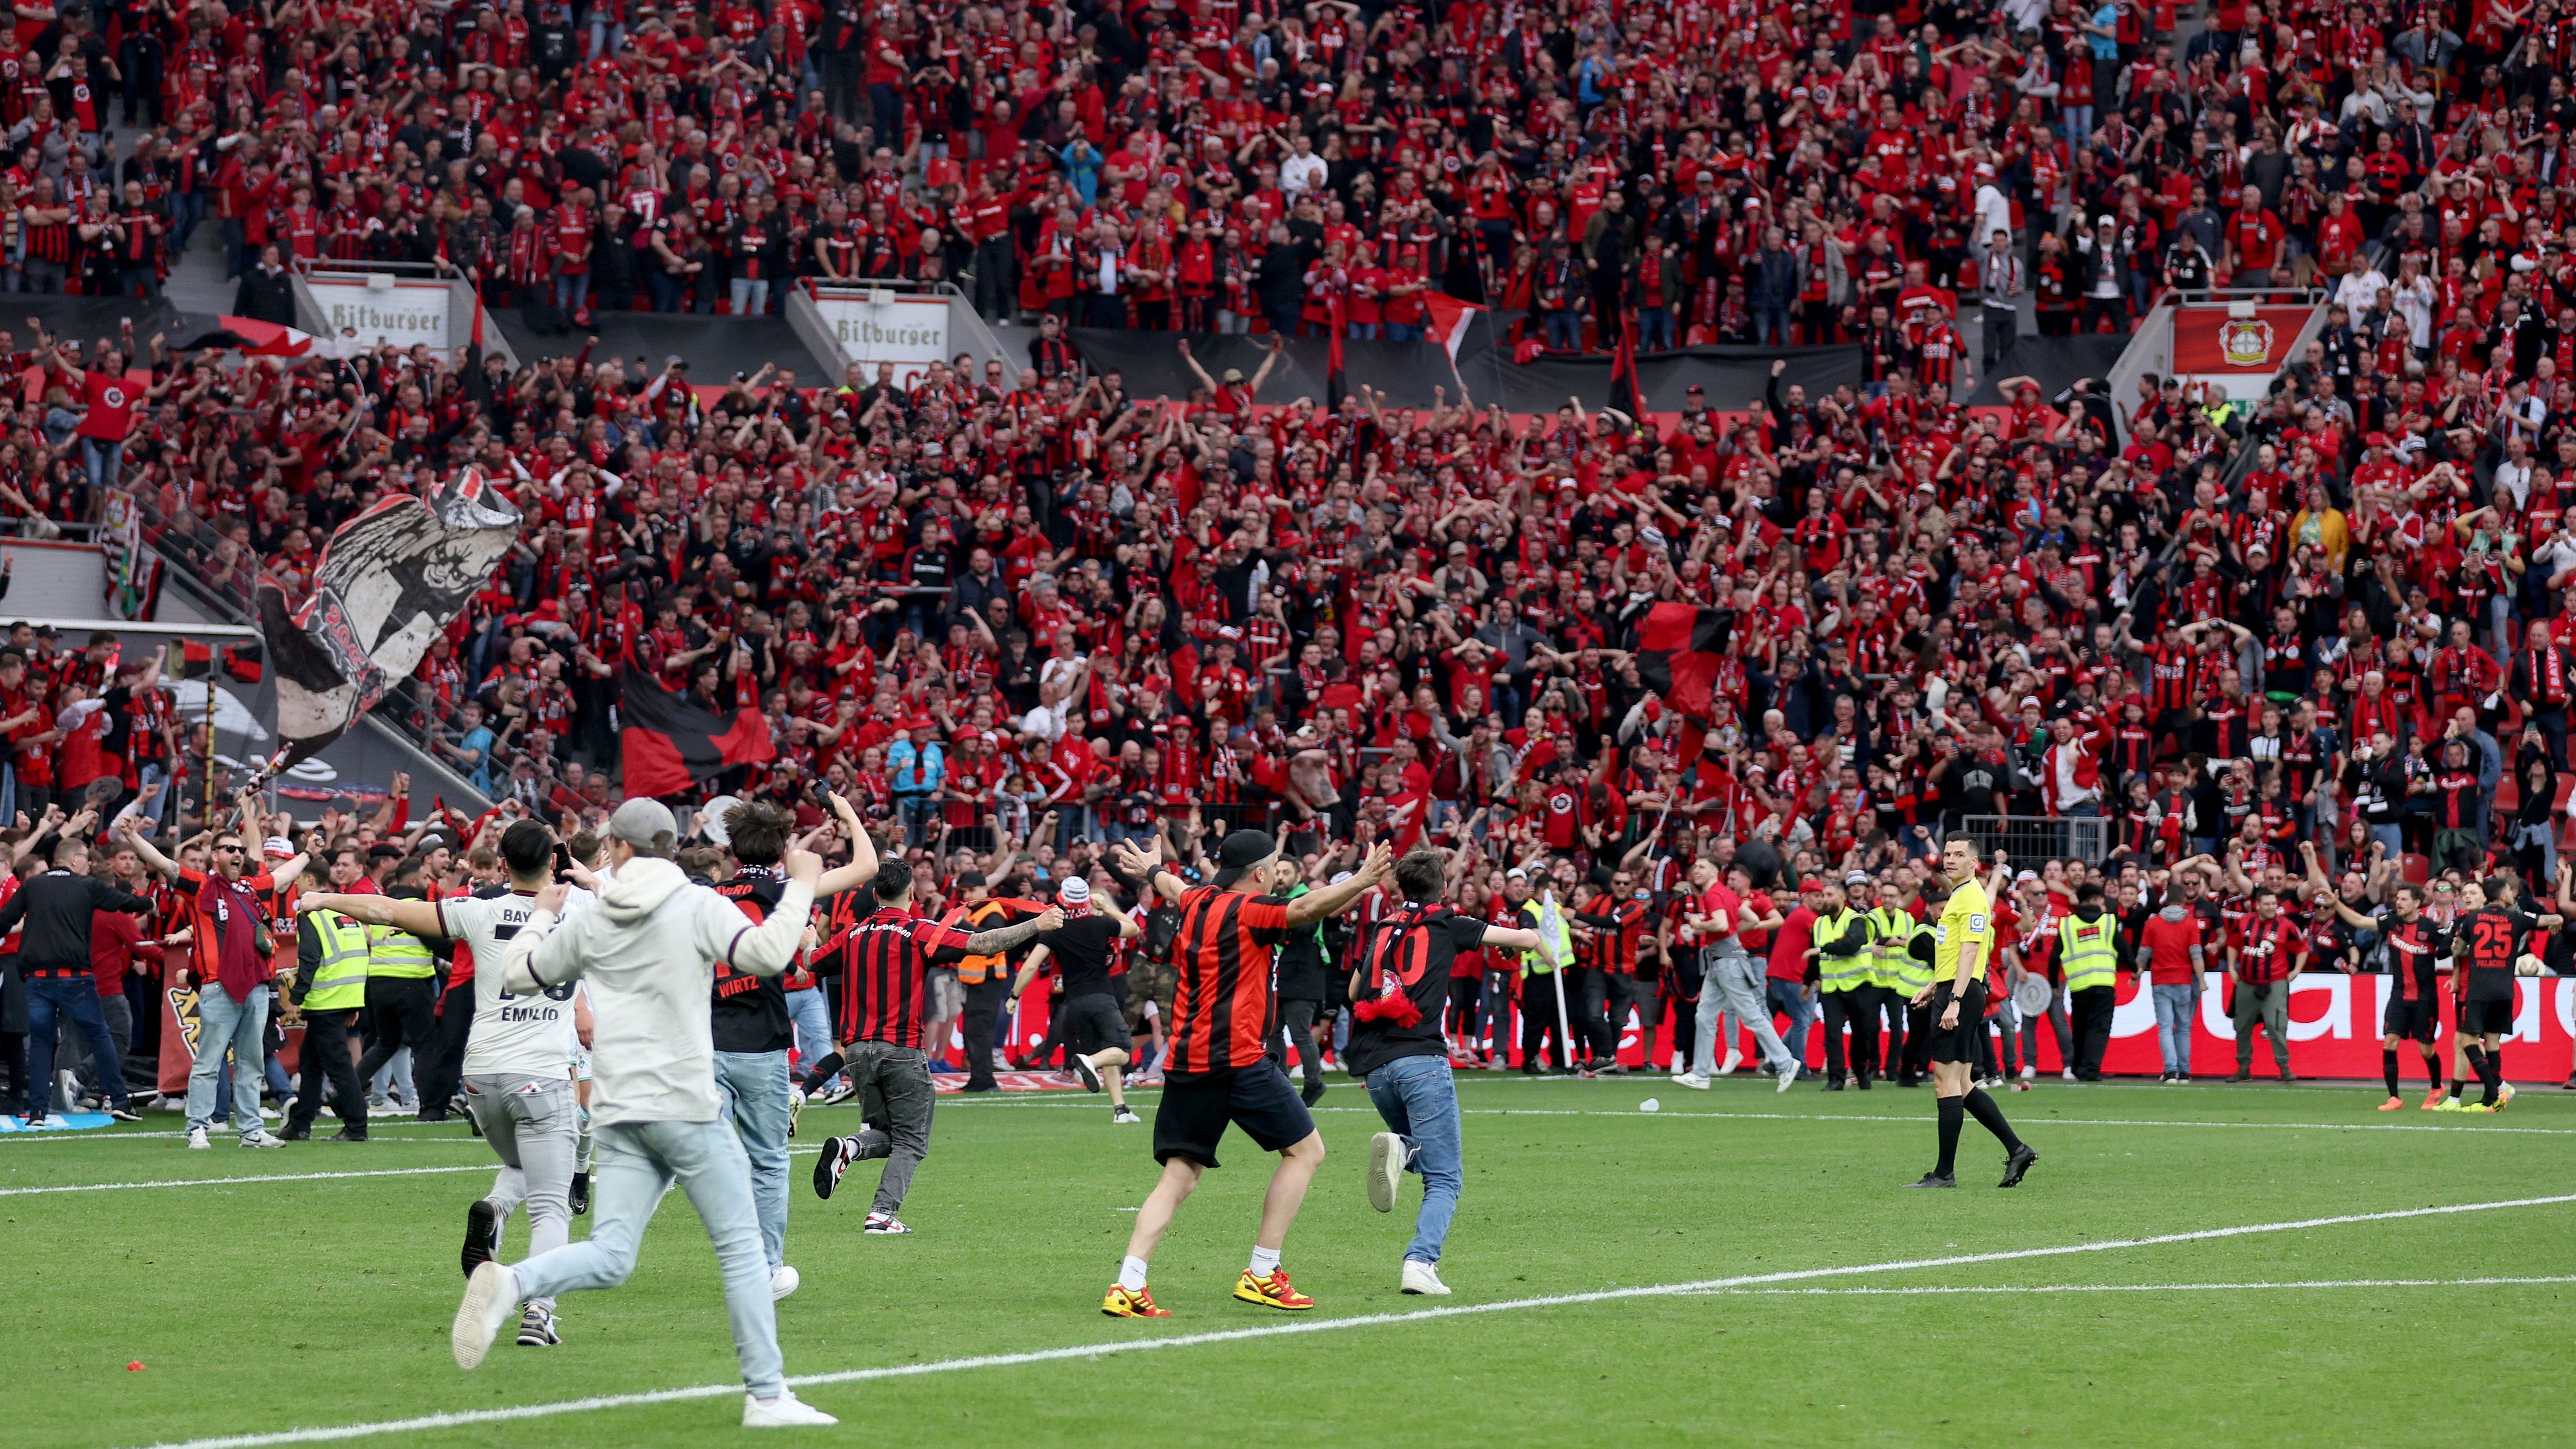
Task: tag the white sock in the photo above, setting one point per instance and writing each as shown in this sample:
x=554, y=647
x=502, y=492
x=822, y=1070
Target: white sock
x=1131, y=1274
x=1265, y=1261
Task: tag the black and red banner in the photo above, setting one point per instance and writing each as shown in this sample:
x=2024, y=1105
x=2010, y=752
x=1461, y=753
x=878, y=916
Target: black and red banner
x=672, y=744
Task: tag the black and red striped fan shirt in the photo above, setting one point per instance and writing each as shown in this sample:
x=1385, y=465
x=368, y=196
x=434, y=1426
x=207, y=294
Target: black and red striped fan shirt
x=883, y=995
x=1222, y=953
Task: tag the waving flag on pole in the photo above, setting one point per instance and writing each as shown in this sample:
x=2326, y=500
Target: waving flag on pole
x=1625, y=395
x=1335, y=388
x=1449, y=319
x=268, y=339
x=390, y=580
x=669, y=743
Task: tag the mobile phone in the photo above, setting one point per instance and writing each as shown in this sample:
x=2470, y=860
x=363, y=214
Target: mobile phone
x=563, y=863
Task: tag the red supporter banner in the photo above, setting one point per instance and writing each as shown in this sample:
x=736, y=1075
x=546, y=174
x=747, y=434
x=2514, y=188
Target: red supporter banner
x=2210, y=339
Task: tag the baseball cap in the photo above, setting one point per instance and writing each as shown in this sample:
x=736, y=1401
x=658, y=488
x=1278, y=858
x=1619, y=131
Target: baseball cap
x=1241, y=851
x=646, y=824
x=1857, y=878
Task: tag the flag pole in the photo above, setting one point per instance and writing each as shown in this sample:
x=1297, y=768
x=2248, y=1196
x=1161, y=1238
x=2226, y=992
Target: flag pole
x=1549, y=922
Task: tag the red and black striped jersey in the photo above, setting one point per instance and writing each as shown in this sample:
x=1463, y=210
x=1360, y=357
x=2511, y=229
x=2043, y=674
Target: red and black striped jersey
x=883, y=994
x=1222, y=953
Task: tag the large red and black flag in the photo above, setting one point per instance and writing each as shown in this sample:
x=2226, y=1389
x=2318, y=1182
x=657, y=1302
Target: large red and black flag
x=1625, y=394
x=1678, y=651
x=1335, y=387
x=671, y=744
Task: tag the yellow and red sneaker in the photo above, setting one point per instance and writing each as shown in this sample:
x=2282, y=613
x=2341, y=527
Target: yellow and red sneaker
x=1272, y=1291
x=1119, y=1303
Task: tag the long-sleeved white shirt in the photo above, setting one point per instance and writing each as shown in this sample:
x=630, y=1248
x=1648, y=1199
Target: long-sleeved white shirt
x=646, y=954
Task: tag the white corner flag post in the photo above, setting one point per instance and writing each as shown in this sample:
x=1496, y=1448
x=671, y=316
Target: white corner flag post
x=1549, y=923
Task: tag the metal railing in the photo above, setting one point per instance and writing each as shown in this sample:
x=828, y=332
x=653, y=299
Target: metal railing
x=2039, y=837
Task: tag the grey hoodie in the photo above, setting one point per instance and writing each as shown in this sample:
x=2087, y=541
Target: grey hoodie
x=647, y=955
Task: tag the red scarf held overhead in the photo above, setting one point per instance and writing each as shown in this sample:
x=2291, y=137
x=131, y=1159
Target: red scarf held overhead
x=2549, y=676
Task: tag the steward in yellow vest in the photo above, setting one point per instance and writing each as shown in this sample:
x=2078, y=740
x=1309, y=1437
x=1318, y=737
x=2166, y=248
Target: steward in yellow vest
x=1846, y=983
x=332, y=953
x=2088, y=952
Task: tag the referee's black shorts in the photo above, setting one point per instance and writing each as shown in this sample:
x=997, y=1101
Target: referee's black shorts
x=1959, y=1043
x=1197, y=1106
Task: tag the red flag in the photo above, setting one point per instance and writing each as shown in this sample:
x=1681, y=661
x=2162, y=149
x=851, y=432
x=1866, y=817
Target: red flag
x=670, y=744
x=1335, y=389
x=1449, y=320
x=1625, y=395
x=1678, y=651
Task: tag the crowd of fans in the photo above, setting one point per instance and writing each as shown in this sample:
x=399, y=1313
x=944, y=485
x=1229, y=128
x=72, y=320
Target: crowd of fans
x=1015, y=611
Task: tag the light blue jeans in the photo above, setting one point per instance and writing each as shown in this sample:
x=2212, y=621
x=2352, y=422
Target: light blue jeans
x=754, y=1086
x=1419, y=1101
x=223, y=1023
x=2173, y=1025
x=813, y=1022
x=638, y=1162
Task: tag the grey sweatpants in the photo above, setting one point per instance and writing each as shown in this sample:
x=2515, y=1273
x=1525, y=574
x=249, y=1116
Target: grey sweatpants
x=534, y=1126
x=895, y=1097
x=1731, y=983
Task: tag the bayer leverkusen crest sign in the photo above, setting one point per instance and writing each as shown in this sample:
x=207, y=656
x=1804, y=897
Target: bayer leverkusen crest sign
x=2214, y=340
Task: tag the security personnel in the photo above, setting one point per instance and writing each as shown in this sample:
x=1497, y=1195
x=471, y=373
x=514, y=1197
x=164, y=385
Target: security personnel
x=1539, y=979
x=402, y=989
x=2088, y=951
x=332, y=955
x=1845, y=981
x=986, y=979
x=1898, y=975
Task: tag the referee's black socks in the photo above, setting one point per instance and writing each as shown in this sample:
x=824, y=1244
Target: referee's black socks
x=1990, y=1117
x=1953, y=1112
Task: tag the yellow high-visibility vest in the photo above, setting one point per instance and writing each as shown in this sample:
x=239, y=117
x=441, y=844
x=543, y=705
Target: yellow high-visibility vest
x=1891, y=930
x=340, y=982
x=2088, y=952
x=1843, y=973
x=393, y=952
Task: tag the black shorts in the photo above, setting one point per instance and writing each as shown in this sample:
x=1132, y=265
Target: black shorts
x=1092, y=1022
x=1197, y=1106
x=2418, y=1019
x=1959, y=1043
x=2480, y=1018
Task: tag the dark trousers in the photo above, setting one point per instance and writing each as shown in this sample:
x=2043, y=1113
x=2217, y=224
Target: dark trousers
x=75, y=999
x=442, y=1065
x=1920, y=1021
x=1639, y=993
x=2092, y=1011
x=896, y=1098
x=1466, y=1011
x=1587, y=1005
x=1297, y=1018
x=984, y=1002
x=400, y=1011
x=326, y=1059
x=1538, y=1021
x=1682, y=985
x=1857, y=1008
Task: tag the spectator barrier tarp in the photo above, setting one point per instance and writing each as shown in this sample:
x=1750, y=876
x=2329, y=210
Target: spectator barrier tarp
x=92, y=320
x=714, y=347
x=2053, y=362
x=1151, y=366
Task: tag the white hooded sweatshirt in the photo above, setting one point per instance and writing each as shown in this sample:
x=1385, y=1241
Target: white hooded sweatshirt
x=647, y=955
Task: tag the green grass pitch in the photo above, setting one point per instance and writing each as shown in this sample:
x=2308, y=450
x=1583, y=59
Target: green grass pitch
x=322, y=1304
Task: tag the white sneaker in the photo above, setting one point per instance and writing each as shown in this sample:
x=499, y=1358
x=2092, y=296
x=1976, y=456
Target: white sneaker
x=1693, y=1080
x=2031, y=1074
x=1385, y=1171
x=267, y=1113
x=1788, y=1076
x=1734, y=1058
x=784, y=1412
x=783, y=1280
x=197, y=1139
x=491, y=1297
x=263, y=1138
x=2067, y=1075
x=1421, y=1277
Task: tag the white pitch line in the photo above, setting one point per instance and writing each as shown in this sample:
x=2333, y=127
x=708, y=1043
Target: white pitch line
x=279, y=1177
x=1304, y=1326
x=2140, y=1287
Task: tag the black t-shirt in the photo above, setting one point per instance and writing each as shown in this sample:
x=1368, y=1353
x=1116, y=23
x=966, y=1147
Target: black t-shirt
x=1081, y=950
x=2494, y=938
x=1410, y=951
x=749, y=1013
